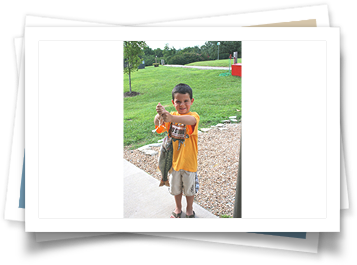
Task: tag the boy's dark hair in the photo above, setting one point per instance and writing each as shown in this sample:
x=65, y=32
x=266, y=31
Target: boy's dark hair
x=182, y=89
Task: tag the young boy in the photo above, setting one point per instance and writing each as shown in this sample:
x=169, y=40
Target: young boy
x=184, y=162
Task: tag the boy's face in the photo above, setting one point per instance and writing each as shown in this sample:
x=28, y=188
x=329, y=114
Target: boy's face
x=182, y=103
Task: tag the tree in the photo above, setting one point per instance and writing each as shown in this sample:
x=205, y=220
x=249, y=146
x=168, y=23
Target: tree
x=158, y=52
x=225, y=48
x=148, y=51
x=231, y=46
x=132, y=51
x=168, y=53
x=194, y=49
x=210, y=49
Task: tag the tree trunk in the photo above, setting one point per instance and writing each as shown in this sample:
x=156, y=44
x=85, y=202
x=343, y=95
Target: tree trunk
x=129, y=81
x=237, y=211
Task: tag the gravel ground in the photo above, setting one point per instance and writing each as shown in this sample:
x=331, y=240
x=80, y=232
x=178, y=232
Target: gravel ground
x=218, y=157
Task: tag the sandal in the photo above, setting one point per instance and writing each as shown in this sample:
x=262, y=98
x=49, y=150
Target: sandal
x=191, y=216
x=176, y=215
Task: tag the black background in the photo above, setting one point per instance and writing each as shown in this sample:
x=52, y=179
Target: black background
x=128, y=247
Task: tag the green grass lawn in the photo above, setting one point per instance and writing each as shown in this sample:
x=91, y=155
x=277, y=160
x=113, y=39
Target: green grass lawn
x=216, y=98
x=220, y=63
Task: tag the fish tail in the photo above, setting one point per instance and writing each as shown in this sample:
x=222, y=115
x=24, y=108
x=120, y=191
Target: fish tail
x=162, y=183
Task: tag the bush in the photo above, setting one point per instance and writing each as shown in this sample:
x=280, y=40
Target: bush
x=186, y=58
x=156, y=64
x=149, y=60
x=224, y=55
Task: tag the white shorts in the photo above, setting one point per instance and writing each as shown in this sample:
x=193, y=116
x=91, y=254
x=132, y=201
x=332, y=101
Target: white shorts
x=183, y=181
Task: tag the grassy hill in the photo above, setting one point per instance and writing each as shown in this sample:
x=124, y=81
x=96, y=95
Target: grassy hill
x=216, y=98
x=218, y=63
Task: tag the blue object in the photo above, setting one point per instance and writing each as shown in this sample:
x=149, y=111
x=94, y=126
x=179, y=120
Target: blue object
x=301, y=235
x=22, y=189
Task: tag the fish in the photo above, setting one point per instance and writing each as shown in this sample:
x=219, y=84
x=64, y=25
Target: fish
x=178, y=133
x=165, y=160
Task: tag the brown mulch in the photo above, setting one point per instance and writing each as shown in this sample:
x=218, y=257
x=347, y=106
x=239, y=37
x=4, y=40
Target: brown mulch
x=131, y=94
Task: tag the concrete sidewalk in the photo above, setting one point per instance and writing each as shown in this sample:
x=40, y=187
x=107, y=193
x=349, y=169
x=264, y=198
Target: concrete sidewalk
x=198, y=67
x=143, y=198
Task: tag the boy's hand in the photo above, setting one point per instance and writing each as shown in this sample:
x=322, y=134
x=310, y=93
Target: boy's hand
x=163, y=113
x=167, y=116
x=160, y=109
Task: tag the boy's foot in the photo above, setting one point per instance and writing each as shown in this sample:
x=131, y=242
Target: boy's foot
x=175, y=215
x=193, y=215
x=189, y=212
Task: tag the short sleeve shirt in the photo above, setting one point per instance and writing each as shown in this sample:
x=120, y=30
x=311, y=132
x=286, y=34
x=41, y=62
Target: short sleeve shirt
x=186, y=157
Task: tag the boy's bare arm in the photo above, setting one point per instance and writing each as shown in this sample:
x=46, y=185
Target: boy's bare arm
x=160, y=110
x=184, y=119
x=157, y=120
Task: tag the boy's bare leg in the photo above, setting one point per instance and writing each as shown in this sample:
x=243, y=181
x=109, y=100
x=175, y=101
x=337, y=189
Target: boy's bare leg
x=189, y=209
x=178, y=199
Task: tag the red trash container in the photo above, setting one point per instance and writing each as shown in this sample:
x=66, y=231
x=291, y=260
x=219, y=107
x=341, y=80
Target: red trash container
x=237, y=69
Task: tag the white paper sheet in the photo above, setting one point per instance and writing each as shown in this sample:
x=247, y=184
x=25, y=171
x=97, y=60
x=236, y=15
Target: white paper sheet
x=197, y=20
x=276, y=242
x=12, y=210
x=316, y=149
x=310, y=244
